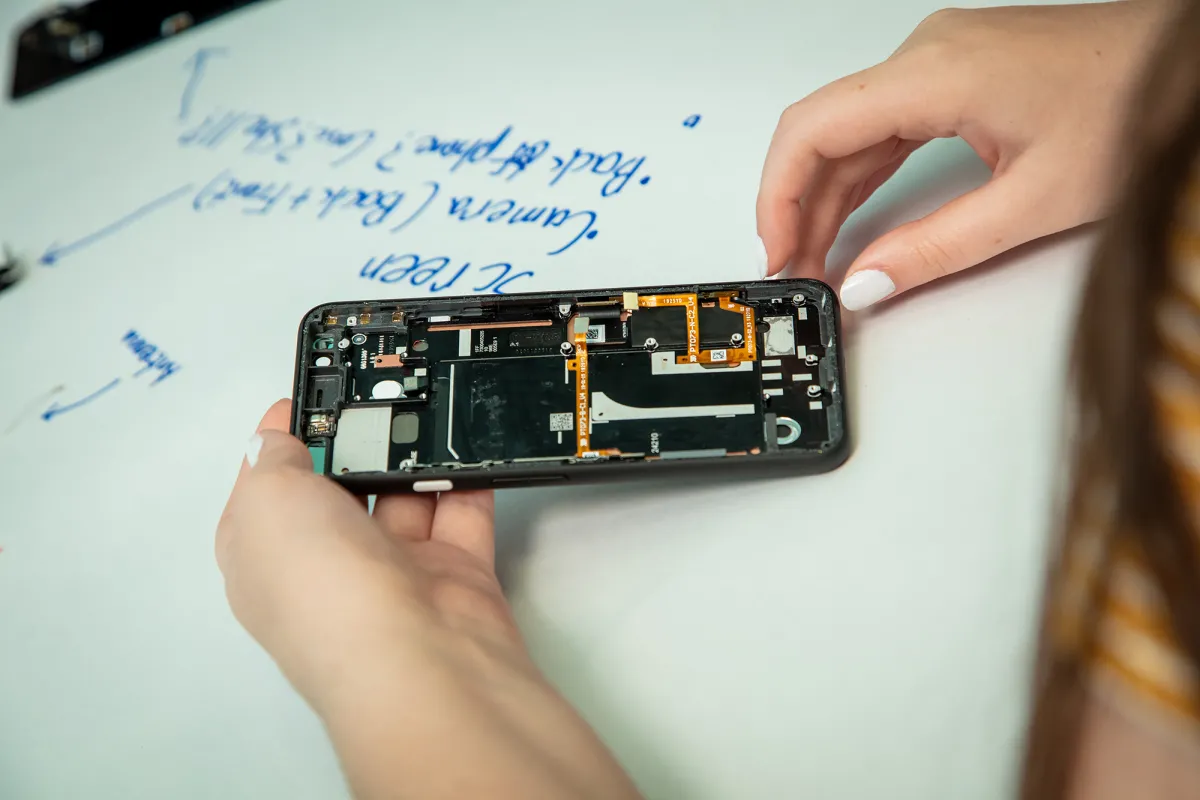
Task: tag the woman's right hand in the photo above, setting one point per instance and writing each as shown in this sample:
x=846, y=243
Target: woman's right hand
x=1038, y=92
x=394, y=628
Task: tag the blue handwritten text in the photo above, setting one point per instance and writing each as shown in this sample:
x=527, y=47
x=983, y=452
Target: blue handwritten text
x=152, y=358
x=439, y=273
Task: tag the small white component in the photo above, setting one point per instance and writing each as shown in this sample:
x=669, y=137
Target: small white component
x=663, y=362
x=433, y=486
x=772, y=376
x=605, y=409
x=773, y=392
x=802, y=376
x=464, y=342
x=420, y=372
x=780, y=339
x=440, y=318
x=362, y=440
x=791, y=426
x=323, y=361
x=710, y=452
x=801, y=351
x=802, y=312
x=720, y=355
x=450, y=417
x=387, y=390
x=771, y=362
x=816, y=405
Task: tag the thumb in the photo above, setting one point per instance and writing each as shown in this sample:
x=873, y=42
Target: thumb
x=268, y=451
x=274, y=427
x=271, y=450
x=966, y=231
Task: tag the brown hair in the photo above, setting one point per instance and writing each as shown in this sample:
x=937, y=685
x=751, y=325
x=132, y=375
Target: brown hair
x=1117, y=444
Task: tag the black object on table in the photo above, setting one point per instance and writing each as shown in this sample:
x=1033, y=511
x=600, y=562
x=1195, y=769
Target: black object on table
x=71, y=40
x=11, y=269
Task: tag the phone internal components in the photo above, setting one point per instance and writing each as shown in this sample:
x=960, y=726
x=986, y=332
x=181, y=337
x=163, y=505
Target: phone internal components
x=442, y=387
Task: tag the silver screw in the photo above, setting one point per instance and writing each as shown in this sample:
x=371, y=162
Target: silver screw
x=423, y=396
x=811, y=360
x=357, y=398
x=814, y=390
x=344, y=344
x=798, y=299
x=650, y=344
x=351, y=320
x=766, y=397
x=359, y=338
x=402, y=353
x=564, y=309
x=566, y=348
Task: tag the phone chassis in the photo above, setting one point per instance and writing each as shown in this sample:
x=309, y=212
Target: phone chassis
x=439, y=393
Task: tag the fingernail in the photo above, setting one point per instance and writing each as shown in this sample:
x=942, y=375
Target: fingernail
x=760, y=257
x=253, y=448
x=865, y=288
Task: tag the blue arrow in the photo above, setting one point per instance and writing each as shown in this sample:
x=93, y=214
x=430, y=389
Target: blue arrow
x=196, y=64
x=55, y=409
x=54, y=252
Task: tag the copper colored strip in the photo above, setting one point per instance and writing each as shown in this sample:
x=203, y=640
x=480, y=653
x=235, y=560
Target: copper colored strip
x=536, y=323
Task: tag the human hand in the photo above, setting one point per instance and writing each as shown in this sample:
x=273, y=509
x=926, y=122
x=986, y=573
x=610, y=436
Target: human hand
x=328, y=589
x=1037, y=92
x=395, y=629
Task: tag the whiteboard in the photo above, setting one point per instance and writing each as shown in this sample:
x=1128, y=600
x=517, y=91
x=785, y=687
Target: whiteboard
x=862, y=634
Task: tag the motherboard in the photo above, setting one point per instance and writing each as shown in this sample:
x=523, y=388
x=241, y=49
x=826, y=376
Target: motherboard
x=438, y=387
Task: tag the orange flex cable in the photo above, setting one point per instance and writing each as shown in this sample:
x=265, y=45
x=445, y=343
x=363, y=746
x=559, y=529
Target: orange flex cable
x=732, y=355
x=749, y=346
x=689, y=303
x=582, y=401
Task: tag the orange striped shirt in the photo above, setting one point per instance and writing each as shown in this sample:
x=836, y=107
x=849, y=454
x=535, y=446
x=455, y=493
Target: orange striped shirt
x=1135, y=659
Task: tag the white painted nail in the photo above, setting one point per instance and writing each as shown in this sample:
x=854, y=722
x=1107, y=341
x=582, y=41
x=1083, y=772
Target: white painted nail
x=760, y=257
x=253, y=448
x=865, y=288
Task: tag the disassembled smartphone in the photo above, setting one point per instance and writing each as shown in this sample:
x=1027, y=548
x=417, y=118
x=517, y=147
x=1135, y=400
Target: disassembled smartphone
x=434, y=394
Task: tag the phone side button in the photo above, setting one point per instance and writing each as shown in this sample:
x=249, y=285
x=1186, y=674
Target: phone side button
x=433, y=486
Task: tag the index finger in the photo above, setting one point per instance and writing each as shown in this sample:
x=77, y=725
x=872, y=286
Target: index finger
x=893, y=99
x=467, y=520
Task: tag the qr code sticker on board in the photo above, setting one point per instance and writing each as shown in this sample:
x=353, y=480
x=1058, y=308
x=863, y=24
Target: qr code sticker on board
x=595, y=334
x=562, y=422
